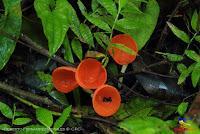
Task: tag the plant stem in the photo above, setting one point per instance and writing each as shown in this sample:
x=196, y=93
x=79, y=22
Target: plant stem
x=27, y=95
x=123, y=70
x=116, y=18
x=33, y=105
x=191, y=40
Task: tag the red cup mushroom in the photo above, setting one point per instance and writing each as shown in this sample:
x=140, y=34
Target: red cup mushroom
x=64, y=79
x=90, y=74
x=121, y=57
x=106, y=100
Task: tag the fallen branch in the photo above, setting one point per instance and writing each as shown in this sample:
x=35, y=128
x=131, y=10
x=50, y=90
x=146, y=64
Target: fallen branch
x=31, y=44
x=27, y=95
x=22, y=95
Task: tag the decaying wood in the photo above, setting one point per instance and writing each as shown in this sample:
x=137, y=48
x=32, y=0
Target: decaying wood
x=194, y=110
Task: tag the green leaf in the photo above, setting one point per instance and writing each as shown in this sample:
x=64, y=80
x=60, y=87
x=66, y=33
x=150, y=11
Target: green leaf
x=81, y=7
x=87, y=35
x=21, y=121
x=186, y=73
x=112, y=69
x=147, y=125
x=74, y=21
x=182, y=108
x=94, y=5
x=126, y=24
x=94, y=19
x=124, y=48
x=192, y=55
x=19, y=113
x=194, y=21
x=60, y=97
x=122, y=3
x=174, y=57
x=55, y=21
x=102, y=39
x=10, y=22
x=6, y=110
x=68, y=51
x=181, y=67
x=45, y=78
x=5, y=127
x=77, y=48
x=135, y=107
x=179, y=33
x=140, y=24
x=61, y=120
x=197, y=38
x=44, y=116
x=34, y=129
x=109, y=5
x=196, y=74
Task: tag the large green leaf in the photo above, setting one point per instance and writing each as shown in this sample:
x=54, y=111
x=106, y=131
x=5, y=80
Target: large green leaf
x=110, y=6
x=44, y=116
x=97, y=22
x=122, y=3
x=179, y=33
x=55, y=21
x=6, y=110
x=61, y=120
x=10, y=22
x=147, y=125
x=93, y=18
x=140, y=24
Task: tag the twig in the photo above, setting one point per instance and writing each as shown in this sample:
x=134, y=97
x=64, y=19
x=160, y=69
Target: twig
x=162, y=75
x=158, y=64
x=42, y=51
x=101, y=120
x=123, y=85
x=22, y=95
x=164, y=32
x=27, y=95
x=31, y=44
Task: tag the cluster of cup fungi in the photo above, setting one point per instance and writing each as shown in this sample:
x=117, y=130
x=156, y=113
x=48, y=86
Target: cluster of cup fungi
x=92, y=75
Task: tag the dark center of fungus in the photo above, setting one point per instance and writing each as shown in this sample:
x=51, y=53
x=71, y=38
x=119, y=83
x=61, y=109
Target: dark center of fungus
x=107, y=99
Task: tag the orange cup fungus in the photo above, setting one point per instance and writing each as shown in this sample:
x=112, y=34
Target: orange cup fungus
x=64, y=79
x=90, y=74
x=106, y=100
x=120, y=56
